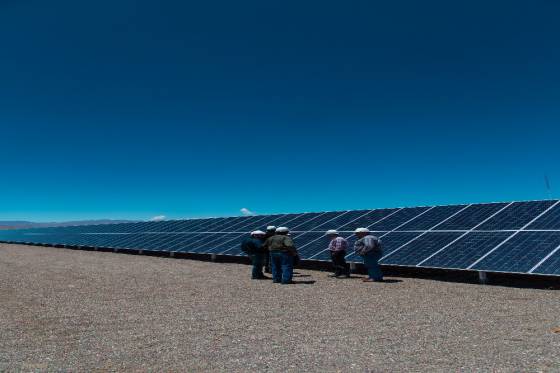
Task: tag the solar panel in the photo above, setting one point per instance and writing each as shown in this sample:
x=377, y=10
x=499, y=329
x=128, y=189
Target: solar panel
x=517, y=215
x=432, y=218
x=521, y=253
x=516, y=237
x=550, y=220
x=414, y=251
x=464, y=251
x=471, y=217
x=399, y=218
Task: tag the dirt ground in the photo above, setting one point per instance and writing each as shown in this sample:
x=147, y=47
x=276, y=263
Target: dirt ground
x=69, y=310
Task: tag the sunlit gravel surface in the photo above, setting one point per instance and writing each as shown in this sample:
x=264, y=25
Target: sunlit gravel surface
x=68, y=310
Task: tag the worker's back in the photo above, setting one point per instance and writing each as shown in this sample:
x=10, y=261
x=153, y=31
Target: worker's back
x=280, y=243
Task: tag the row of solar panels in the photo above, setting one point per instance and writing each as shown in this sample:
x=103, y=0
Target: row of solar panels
x=495, y=216
x=520, y=237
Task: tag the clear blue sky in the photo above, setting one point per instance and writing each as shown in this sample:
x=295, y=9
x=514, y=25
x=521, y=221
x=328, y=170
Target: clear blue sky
x=130, y=109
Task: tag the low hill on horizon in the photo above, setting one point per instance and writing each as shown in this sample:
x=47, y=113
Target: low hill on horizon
x=20, y=224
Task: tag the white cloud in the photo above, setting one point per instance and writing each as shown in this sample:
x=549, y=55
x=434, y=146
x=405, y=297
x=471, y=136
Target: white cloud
x=246, y=211
x=158, y=218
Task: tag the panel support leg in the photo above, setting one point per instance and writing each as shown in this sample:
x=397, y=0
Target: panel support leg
x=213, y=257
x=115, y=250
x=352, y=267
x=483, y=278
x=140, y=252
x=172, y=254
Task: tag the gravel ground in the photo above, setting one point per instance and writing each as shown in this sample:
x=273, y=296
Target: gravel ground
x=81, y=311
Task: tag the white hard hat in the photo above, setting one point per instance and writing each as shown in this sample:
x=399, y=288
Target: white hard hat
x=257, y=233
x=362, y=230
x=271, y=228
x=282, y=230
x=332, y=232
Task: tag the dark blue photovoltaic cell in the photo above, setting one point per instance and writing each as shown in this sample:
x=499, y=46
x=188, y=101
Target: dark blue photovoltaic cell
x=516, y=216
x=398, y=219
x=183, y=241
x=389, y=242
x=550, y=220
x=521, y=253
x=222, y=224
x=268, y=220
x=326, y=255
x=318, y=222
x=234, y=251
x=306, y=220
x=366, y=219
x=294, y=222
x=343, y=219
x=471, y=217
x=464, y=252
x=310, y=243
x=156, y=241
x=283, y=221
x=214, y=242
x=431, y=218
x=191, y=242
x=419, y=249
x=103, y=240
x=200, y=225
x=244, y=225
x=551, y=266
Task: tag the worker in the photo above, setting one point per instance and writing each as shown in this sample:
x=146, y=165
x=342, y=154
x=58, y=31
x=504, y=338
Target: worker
x=337, y=247
x=282, y=252
x=270, y=231
x=369, y=248
x=253, y=247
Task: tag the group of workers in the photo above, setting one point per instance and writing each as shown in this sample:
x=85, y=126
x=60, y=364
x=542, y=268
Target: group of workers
x=275, y=250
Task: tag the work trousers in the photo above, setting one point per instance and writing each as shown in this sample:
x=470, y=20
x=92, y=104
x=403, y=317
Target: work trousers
x=339, y=263
x=371, y=262
x=282, y=267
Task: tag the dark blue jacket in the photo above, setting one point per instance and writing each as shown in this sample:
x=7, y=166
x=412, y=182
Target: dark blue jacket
x=252, y=245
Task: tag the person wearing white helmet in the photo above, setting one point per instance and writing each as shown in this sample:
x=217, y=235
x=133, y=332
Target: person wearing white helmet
x=337, y=247
x=282, y=253
x=270, y=231
x=253, y=247
x=369, y=248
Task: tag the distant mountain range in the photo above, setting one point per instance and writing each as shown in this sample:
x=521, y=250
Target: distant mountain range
x=29, y=224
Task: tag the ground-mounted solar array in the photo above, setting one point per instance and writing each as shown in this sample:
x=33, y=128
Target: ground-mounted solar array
x=514, y=237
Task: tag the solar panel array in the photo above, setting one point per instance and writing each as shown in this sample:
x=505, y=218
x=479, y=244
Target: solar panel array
x=516, y=237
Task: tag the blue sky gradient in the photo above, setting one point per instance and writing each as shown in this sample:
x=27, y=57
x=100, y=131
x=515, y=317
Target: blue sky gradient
x=132, y=109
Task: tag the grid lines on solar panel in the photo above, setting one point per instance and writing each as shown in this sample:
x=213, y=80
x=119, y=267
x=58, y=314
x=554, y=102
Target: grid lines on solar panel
x=521, y=253
x=389, y=242
x=551, y=266
x=219, y=244
x=401, y=217
x=365, y=218
x=471, y=217
x=319, y=221
x=414, y=252
x=550, y=220
x=301, y=219
x=310, y=243
x=431, y=218
x=229, y=247
x=464, y=252
x=516, y=216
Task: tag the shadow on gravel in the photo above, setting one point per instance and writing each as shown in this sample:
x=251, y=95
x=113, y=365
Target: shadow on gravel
x=391, y=281
x=311, y=282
